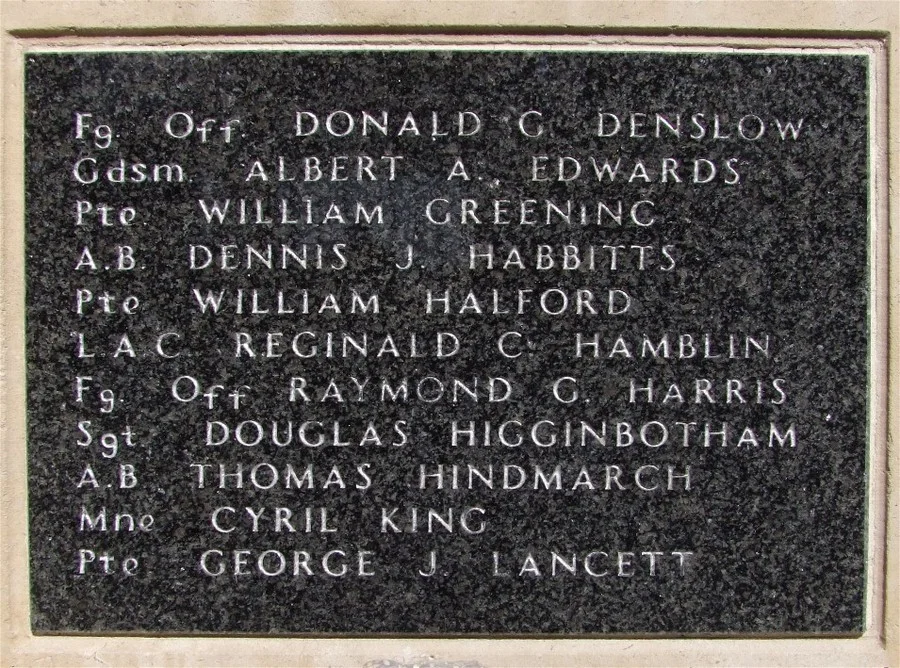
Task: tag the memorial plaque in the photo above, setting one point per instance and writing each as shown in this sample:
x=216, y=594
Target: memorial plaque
x=447, y=342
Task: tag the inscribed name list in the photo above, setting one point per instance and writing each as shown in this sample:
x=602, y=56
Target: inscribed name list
x=441, y=342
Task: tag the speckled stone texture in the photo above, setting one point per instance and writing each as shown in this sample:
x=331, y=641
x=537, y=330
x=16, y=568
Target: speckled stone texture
x=775, y=534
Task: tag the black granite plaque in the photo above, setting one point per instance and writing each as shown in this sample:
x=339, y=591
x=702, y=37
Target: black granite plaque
x=447, y=342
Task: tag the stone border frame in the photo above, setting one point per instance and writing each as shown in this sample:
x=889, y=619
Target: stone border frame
x=871, y=27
